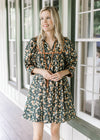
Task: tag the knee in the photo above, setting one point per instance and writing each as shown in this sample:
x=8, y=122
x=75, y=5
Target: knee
x=38, y=130
x=37, y=135
x=55, y=131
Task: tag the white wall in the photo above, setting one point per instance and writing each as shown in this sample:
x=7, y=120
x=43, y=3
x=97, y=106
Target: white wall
x=66, y=132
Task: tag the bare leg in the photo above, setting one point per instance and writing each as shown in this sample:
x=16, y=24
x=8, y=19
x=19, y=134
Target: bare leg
x=38, y=130
x=55, y=131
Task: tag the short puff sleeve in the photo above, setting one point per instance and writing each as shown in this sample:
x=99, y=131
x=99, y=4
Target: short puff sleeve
x=70, y=54
x=30, y=55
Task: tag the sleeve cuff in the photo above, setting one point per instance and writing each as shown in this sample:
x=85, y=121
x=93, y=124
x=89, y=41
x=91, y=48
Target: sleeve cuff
x=71, y=70
x=29, y=69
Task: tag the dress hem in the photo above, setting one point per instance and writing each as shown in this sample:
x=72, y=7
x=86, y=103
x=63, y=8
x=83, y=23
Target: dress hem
x=53, y=121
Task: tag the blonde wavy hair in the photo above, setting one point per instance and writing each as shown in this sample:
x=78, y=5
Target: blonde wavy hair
x=57, y=26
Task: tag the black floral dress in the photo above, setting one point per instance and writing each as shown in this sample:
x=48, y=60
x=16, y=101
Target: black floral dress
x=56, y=105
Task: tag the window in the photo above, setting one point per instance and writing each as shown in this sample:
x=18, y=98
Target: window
x=88, y=42
x=26, y=34
x=46, y=3
x=54, y=3
x=12, y=39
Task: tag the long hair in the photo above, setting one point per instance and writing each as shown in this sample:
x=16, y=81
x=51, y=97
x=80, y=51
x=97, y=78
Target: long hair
x=56, y=23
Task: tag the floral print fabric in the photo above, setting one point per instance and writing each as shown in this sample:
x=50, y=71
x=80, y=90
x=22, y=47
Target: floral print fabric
x=56, y=105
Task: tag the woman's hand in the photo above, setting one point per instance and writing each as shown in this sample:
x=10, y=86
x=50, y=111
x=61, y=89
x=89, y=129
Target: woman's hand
x=46, y=74
x=58, y=75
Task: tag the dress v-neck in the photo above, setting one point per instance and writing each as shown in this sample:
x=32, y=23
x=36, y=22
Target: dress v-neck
x=48, y=47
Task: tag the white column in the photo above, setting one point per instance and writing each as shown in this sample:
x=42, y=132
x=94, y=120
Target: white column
x=65, y=17
x=36, y=17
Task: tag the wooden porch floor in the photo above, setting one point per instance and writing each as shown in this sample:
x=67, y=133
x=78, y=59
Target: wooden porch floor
x=12, y=125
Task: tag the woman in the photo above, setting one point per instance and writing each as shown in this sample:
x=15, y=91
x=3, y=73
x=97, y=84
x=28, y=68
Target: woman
x=50, y=58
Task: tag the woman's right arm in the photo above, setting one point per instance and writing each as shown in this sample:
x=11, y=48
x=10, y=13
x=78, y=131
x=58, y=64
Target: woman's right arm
x=30, y=60
x=45, y=73
x=36, y=71
x=30, y=56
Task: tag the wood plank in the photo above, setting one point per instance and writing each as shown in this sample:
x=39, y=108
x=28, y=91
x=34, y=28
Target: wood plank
x=12, y=124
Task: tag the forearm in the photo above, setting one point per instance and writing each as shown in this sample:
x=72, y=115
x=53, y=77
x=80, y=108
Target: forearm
x=36, y=71
x=66, y=72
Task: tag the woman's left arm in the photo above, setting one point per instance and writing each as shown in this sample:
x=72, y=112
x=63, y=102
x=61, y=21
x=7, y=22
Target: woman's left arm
x=70, y=61
x=70, y=58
